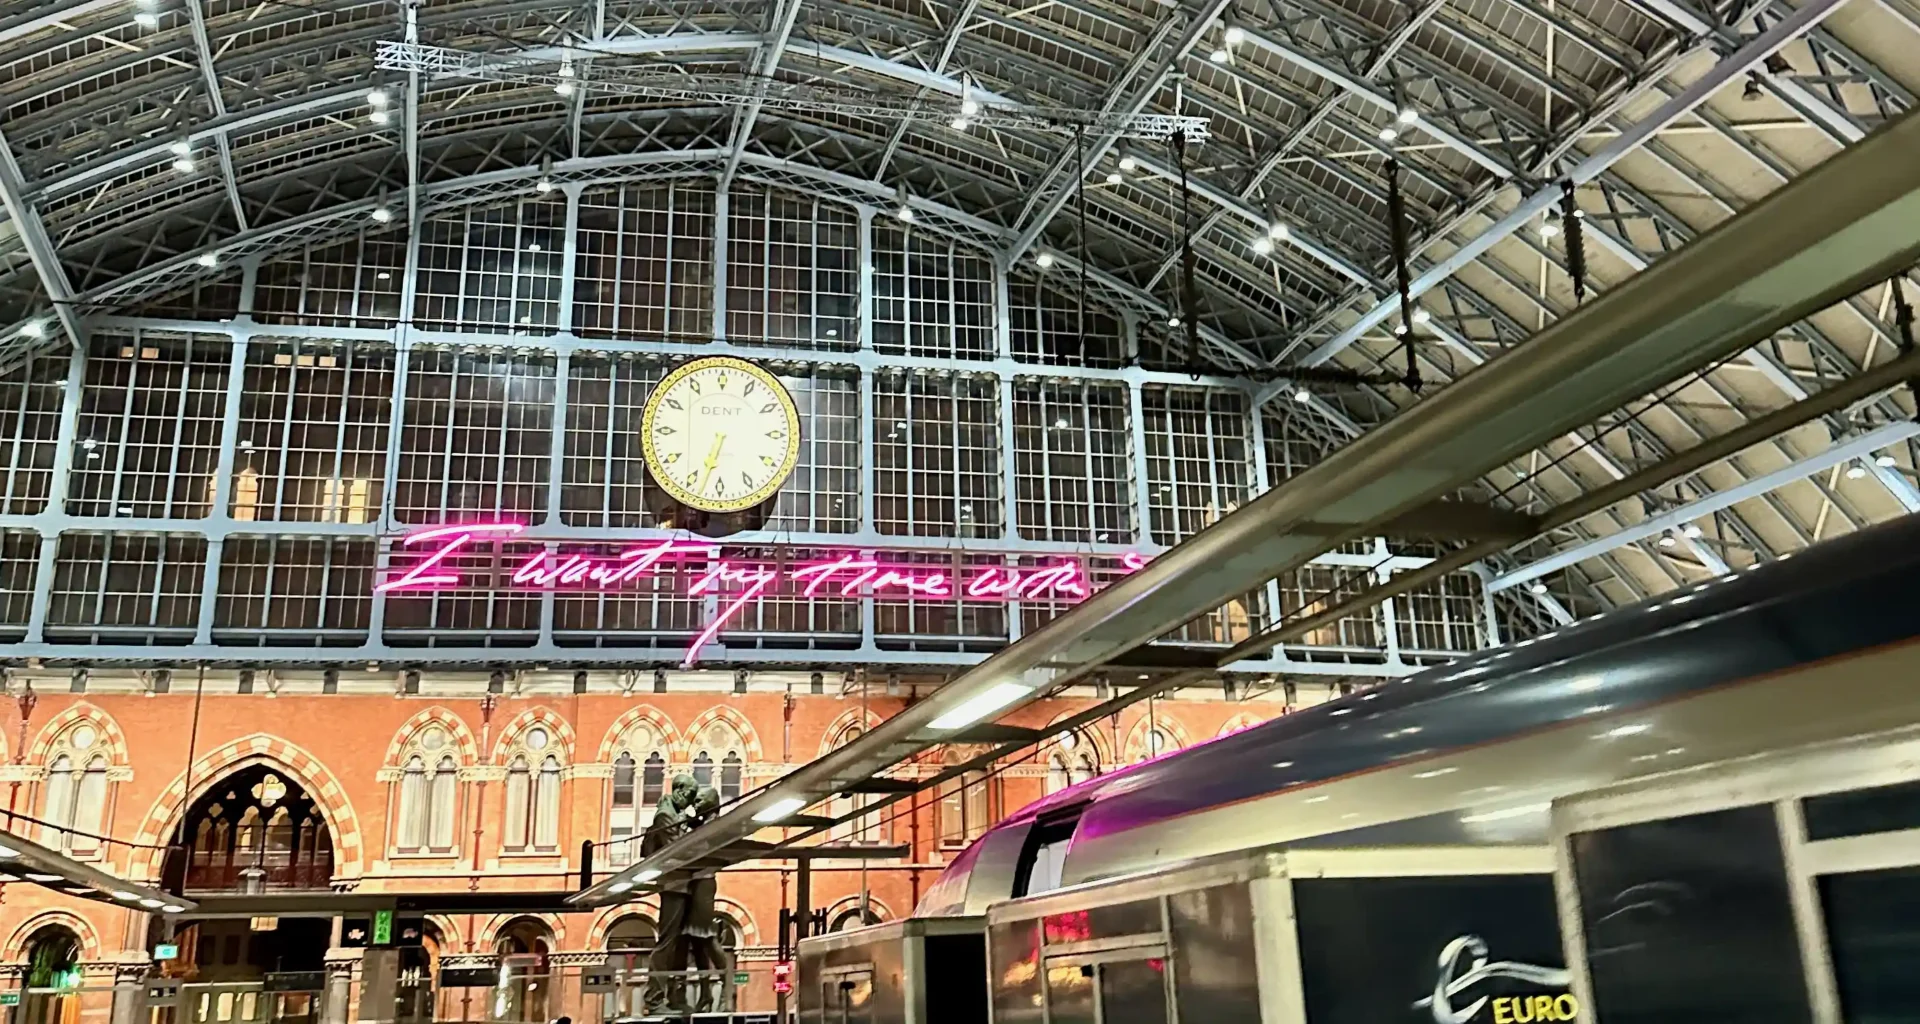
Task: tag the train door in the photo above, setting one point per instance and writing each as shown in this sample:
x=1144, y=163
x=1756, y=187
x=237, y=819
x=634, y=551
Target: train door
x=1121, y=986
x=846, y=995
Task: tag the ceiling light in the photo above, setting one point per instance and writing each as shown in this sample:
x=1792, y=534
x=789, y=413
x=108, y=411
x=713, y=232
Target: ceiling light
x=1389, y=133
x=1279, y=232
x=207, y=259
x=1884, y=462
x=1692, y=531
x=1856, y=471
x=1318, y=799
x=1044, y=260
x=1263, y=245
x=34, y=328
x=621, y=886
x=545, y=184
x=958, y=124
x=1537, y=588
x=1549, y=229
x=382, y=214
x=1408, y=115
x=781, y=809
x=564, y=88
x=647, y=876
x=39, y=876
x=533, y=246
x=980, y=705
x=969, y=107
x=1061, y=423
x=1628, y=730
x=1435, y=773
x=146, y=19
x=1667, y=541
x=1115, y=177
x=377, y=98
x=380, y=117
x=1219, y=56
x=1128, y=164
x=184, y=165
x=173, y=908
x=905, y=212
x=123, y=894
x=1751, y=91
x=181, y=149
x=1302, y=395
x=1421, y=316
x=1236, y=35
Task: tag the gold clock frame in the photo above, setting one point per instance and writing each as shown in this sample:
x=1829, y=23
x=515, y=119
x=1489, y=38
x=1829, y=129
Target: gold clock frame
x=680, y=494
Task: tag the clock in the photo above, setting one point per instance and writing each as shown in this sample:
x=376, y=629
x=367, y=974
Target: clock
x=720, y=435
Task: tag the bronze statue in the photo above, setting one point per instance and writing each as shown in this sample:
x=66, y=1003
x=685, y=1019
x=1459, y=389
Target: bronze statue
x=702, y=931
x=672, y=818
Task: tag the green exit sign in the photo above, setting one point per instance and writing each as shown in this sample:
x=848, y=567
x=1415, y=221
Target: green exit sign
x=740, y=978
x=166, y=951
x=383, y=927
x=9, y=999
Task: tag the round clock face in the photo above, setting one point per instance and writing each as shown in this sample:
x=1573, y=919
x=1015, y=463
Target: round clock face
x=720, y=434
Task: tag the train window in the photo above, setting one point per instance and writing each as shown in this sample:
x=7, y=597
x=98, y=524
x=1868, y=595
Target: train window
x=1860, y=812
x=1869, y=919
x=1043, y=857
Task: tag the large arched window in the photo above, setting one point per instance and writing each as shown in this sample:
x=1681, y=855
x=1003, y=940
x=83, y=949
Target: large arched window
x=1071, y=760
x=639, y=775
x=719, y=759
x=853, y=917
x=963, y=803
x=1150, y=741
x=868, y=827
x=533, y=793
x=425, y=810
x=76, y=791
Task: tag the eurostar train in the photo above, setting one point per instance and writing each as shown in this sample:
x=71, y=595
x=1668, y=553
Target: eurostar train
x=1708, y=803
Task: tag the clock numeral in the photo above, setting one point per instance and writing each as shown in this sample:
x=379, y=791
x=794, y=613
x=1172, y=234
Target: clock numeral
x=694, y=383
x=767, y=408
x=672, y=457
x=719, y=485
x=663, y=429
x=748, y=390
x=692, y=478
x=723, y=382
x=672, y=404
x=767, y=461
x=748, y=480
x=777, y=435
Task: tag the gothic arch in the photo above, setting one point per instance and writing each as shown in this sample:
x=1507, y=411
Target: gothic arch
x=1243, y=720
x=749, y=740
x=835, y=733
x=604, y=921
x=875, y=905
x=1089, y=733
x=749, y=932
x=450, y=934
x=259, y=748
x=529, y=718
x=115, y=740
x=445, y=718
x=556, y=927
x=1136, y=742
x=16, y=949
x=670, y=739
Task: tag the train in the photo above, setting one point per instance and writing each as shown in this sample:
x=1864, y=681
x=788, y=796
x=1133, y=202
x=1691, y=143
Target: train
x=1506, y=832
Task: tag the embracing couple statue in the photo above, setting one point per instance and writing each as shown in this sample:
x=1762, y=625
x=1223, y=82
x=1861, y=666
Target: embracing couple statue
x=689, y=935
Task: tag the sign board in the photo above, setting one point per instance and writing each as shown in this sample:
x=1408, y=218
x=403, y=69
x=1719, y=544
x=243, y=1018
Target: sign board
x=740, y=978
x=468, y=977
x=166, y=951
x=9, y=999
x=783, y=977
x=383, y=927
x=294, y=981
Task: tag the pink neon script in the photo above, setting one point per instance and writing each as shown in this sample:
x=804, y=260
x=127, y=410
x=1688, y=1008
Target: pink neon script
x=851, y=575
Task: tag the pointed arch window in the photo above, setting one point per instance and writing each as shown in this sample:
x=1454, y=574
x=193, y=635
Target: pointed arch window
x=533, y=794
x=77, y=792
x=720, y=760
x=963, y=807
x=639, y=776
x=426, y=806
x=867, y=828
x=1070, y=762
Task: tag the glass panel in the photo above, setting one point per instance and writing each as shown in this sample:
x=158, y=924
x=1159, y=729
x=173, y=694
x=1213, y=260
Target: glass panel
x=1873, y=931
x=1863, y=811
x=1133, y=992
x=1069, y=994
x=1688, y=919
x=1015, y=971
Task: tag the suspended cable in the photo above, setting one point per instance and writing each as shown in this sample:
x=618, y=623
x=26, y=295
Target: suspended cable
x=1397, y=212
x=1570, y=218
x=1189, y=295
x=1903, y=326
x=1078, y=343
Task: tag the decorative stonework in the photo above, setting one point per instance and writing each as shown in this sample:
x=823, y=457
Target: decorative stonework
x=603, y=922
x=749, y=739
x=556, y=926
x=558, y=727
x=666, y=738
x=469, y=748
x=113, y=741
x=16, y=947
x=835, y=734
x=259, y=748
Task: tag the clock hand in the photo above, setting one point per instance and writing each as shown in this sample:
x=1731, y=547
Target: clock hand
x=713, y=459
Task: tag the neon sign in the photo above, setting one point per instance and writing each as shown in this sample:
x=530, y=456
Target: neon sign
x=849, y=575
